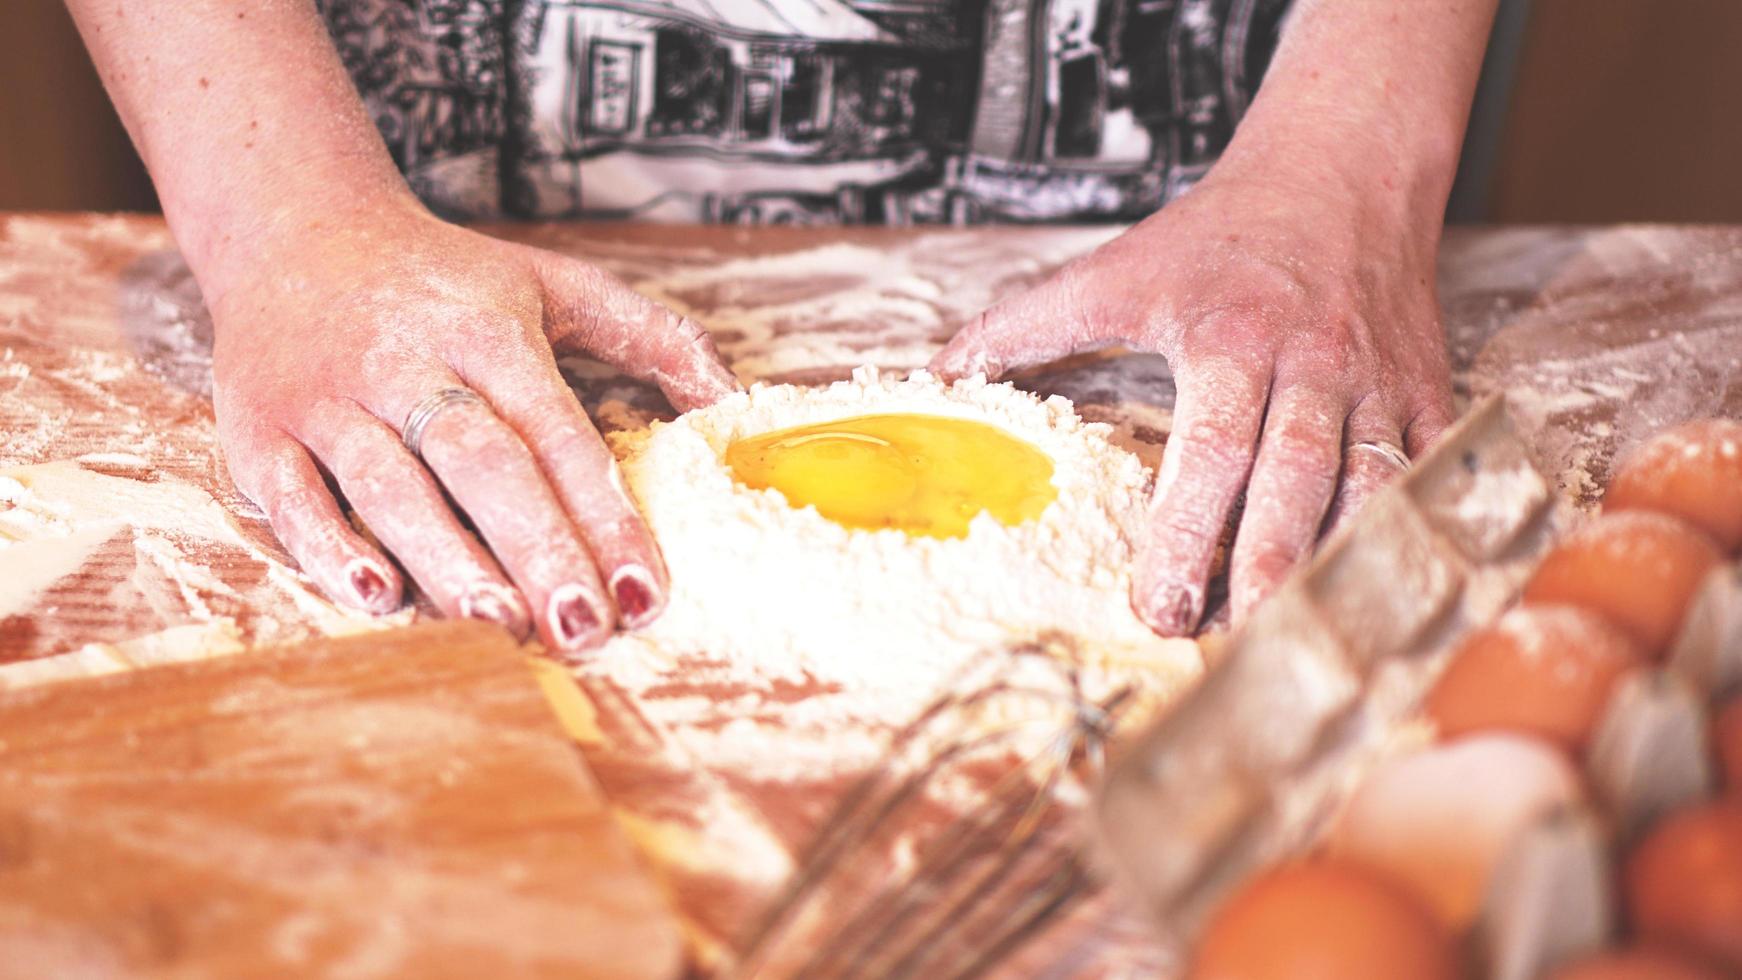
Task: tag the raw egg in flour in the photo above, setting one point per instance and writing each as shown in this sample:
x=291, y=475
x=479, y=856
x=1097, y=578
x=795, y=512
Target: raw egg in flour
x=1693, y=471
x=1324, y=920
x=928, y=475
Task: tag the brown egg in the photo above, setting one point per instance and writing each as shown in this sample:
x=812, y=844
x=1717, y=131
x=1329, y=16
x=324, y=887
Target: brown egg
x=1636, y=569
x=1727, y=737
x=1693, y=471
x=1684, y=883
x=1637, y=963
x=1323, y=920
x=1541, y=670
x=1439, y=820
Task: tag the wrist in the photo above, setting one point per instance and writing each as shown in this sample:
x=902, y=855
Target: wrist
x=1395, y=176
x=270, y=229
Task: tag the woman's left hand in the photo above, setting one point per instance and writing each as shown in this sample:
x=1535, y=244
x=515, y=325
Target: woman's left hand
x=1300, y=322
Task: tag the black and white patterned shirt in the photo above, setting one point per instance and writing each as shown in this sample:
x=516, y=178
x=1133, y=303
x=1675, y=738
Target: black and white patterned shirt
x=805, y=111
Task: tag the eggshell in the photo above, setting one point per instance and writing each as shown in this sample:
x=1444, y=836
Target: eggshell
x=1693, y=471
x=1540, y=670
x=1439, y=819
x=1637, y=963
x=1684, y=882
x=1323, y=920
x=1639, y=570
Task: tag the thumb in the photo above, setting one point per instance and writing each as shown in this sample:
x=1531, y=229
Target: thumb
x=1043, y=324
x=591, y=311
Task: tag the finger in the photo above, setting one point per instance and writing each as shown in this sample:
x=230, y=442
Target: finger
x=533, y=398
x=1365, y=472
x=1293, y=480
x=1203, y=469
x=594, y=311
x=490, y=473
x=1043, y=324
x=1426, y=428
x=284, y=482
x=404, y=508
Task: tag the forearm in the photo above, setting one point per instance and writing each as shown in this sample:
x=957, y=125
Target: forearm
x=242, y=113
x=1371, y=92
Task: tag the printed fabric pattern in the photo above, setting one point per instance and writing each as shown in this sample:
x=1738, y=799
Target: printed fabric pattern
x=805, y=111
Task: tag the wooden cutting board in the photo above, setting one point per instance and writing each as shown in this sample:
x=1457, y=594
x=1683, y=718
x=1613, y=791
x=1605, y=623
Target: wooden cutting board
x=397, y=804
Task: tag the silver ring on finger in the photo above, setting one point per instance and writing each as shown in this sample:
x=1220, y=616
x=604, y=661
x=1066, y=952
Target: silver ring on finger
x=427, y=408
x=1389, y=452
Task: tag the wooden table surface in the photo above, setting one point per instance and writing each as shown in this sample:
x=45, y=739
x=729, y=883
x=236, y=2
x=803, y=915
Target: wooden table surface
x=122, y=542
x=404, y=803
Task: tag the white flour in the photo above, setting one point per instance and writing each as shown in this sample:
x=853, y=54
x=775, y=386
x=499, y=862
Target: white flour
x=843, y=303
x=56, y=517
x=783, y=594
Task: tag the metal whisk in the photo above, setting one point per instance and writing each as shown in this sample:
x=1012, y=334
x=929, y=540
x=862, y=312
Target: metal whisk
x=901, y=883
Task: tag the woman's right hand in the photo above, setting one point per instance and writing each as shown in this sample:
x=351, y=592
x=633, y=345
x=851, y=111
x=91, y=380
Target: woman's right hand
x=333, y=331
x=341, y=304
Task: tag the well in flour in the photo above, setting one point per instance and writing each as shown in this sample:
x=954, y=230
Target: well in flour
x=764, y=590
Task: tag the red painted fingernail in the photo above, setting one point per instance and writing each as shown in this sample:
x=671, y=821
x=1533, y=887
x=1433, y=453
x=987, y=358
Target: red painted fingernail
x=574, y=616
x=636, y=601
x=494, y=604
x=368, y=583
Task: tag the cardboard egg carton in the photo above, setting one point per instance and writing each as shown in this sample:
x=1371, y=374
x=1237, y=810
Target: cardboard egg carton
x=1325, y=681
x=1649, y=755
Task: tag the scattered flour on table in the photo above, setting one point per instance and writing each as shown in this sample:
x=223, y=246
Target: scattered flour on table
x=178, y=644
x=54, y=518
x=766, y=591
x=844, y=303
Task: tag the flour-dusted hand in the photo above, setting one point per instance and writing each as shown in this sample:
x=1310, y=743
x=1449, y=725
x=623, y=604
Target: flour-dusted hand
x=331, y=338
x=1292, y=292
x=1295, y=329
x=345, y=311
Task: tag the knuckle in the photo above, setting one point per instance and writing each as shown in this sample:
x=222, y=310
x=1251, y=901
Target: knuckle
x=370, y=474
x=685, y=330
x=260, y=470
x=1302, y=449
x=554, y=428
x=1213, y=441
x=1269, y=556
x=1186, y=530
x=619, y=536
x=471, y=434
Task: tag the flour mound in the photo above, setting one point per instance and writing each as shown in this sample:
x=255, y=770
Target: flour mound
x=759, y=584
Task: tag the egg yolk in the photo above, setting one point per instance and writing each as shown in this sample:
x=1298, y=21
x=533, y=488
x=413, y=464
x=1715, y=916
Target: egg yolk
x=927, y=475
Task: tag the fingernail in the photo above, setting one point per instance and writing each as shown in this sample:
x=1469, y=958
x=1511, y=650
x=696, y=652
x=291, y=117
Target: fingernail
x=637, y=602
x=368, y=584
x=1172, y=610
x=574, y=616
x=494, y=604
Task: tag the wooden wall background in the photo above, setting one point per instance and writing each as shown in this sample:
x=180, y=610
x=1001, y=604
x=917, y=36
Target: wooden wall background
x=61, y=146
x=1625, y=110
x=1621, y=110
